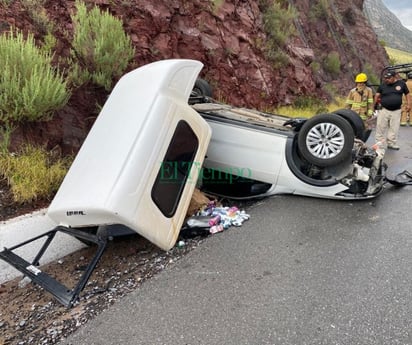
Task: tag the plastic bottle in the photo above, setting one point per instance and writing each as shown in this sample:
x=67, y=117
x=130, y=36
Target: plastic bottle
x=215, y=220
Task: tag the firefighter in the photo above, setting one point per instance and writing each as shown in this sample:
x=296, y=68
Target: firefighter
x=360, y=100
x=406, y=115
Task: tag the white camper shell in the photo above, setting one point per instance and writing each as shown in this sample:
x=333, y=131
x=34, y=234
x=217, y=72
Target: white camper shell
x=123, y=171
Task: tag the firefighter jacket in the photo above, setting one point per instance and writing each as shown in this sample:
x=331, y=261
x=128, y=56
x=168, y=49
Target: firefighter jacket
x=361, y=102
x=409, y=85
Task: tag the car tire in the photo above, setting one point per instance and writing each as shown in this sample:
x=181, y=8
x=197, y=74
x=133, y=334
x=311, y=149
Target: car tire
x=326, y=140
x=201, y=89
x=355, y=121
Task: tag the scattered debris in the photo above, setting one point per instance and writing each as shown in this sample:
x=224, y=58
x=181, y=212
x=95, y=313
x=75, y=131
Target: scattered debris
x=212, y=219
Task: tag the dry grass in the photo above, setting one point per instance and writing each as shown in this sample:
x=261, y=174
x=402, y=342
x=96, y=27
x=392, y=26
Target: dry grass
x=398, y=56
x=33, y=173
x=311, y=110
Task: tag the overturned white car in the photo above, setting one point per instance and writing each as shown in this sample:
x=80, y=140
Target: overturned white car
x=159, y=135
x=253, y=154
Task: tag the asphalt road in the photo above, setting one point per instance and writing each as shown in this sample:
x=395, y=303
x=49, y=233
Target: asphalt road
x=300, y=271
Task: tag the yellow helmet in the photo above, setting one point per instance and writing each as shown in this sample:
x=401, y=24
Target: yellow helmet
x=361, y=78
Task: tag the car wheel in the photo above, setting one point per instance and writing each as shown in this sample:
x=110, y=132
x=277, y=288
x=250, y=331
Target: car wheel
x=326, y=140
x=354, y=120
x=201, y=89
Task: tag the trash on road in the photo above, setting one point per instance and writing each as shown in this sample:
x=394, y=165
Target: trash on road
x=212, y=219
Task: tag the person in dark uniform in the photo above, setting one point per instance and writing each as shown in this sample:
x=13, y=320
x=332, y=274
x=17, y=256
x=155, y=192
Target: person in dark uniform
x=390, y=93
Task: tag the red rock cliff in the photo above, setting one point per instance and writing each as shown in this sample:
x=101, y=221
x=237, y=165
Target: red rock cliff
x=229, y=39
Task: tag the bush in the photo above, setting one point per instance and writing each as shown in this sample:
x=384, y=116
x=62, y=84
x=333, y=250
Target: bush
x=373, y=79
x=100, y=45
x=277, y=19
x=36, y=11
x=319, y=11
x=331, y=64
x=310, y=102
x=216, y=4
x=30, y=88
x=315, y=66
x=33, y=173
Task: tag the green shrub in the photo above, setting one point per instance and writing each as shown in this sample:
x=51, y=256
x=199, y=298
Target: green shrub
x=373, y=79
x=277, y=19
x=33, y=173
x=100, y=45
x=315, y=66
x=49, y=42
x=319, y=11
x=331, y=91
x=306, y=102
x=30, y=88
x=309, y=102
x=36, y=11
x=331, y=63
x=216, y=4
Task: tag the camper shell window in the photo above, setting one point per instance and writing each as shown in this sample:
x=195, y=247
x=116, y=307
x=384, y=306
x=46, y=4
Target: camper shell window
x=175, y=169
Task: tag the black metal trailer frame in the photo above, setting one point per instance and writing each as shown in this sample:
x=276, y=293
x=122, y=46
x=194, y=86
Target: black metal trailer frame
x=99, y=236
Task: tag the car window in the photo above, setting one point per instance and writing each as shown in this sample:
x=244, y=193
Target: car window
x=175, y=169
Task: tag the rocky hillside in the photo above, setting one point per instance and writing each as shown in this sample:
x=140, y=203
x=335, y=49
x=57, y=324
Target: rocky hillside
x=327, y=44
x=387, y=26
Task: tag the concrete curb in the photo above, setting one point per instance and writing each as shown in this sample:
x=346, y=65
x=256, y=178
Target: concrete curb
x=17, y=230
